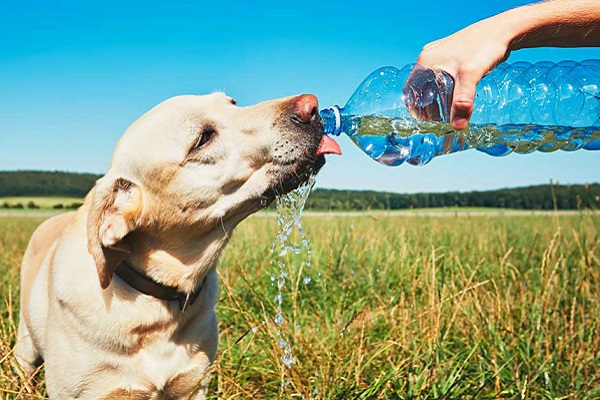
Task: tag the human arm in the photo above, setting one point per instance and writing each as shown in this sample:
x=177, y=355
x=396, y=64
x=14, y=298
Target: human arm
x=472, y=52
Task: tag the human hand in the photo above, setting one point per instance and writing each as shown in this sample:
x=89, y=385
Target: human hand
x=467, y=56
x=472, y=52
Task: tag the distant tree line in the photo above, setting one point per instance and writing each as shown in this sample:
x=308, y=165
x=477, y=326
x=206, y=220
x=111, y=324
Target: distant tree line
x=31, y=205
x=45, y=183
x=541, y=197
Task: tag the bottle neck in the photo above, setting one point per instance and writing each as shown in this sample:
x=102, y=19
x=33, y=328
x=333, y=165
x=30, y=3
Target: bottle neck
x=332, y=120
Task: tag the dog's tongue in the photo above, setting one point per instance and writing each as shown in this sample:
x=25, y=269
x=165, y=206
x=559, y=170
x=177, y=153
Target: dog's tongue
x=328, y=146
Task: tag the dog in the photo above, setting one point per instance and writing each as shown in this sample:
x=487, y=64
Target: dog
x=118, y=298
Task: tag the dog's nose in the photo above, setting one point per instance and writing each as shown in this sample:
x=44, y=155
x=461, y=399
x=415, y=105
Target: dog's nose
x=305, y=108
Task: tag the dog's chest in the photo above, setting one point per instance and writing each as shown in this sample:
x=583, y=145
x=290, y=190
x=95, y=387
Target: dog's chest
x=165, y=369
x=161, y=362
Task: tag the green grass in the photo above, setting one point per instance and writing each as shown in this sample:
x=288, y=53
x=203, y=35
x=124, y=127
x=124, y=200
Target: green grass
x=415, y=308
x=44, y=202
x=430, y=210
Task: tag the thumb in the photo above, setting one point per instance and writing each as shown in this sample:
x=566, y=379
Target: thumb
x=462, y=101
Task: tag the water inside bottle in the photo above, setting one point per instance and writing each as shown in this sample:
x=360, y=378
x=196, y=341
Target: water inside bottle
x=289, y=211
x=392, y=140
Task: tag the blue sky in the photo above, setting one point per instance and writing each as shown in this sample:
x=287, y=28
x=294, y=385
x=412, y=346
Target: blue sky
x=75, y=74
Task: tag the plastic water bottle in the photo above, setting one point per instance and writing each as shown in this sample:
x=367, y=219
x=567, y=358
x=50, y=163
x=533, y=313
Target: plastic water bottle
x=398, y=115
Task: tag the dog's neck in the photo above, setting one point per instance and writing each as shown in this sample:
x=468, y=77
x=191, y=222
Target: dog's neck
x=177, y=259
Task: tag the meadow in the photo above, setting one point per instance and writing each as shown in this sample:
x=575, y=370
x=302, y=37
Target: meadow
x=486, y=307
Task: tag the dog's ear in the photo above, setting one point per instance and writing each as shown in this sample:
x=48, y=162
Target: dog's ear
x=116, y=205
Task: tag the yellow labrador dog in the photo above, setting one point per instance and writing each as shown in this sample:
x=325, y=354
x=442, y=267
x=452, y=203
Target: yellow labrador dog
x=118, y=297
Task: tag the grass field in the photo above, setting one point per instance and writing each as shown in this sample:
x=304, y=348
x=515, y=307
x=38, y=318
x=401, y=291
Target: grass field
x=44, y=202
x=415, y=308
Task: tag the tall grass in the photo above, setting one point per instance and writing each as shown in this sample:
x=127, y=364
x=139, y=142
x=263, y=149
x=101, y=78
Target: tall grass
x=411, y=308
x=14, y=236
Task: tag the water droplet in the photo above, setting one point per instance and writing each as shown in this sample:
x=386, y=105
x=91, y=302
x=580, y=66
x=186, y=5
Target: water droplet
x=254, y=329
x=298, y=327
x=382, y=73
x=307, y=280
x=288, y=360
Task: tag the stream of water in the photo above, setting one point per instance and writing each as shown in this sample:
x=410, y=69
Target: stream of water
x=289, y=210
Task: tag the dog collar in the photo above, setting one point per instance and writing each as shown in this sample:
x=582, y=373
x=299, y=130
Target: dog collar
x=144, y=284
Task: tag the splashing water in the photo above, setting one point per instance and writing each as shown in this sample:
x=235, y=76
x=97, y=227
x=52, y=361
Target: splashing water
x=289, y=210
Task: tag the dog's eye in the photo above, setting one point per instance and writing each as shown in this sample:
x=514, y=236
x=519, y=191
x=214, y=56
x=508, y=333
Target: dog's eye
x=206, y=136
x=233, y=101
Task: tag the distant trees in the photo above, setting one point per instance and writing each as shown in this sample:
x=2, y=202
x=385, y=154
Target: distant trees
x=31, y=205
x=541, y=197
x=45, y=183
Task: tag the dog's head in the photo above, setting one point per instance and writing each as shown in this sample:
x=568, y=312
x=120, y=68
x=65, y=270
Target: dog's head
x=195, y=166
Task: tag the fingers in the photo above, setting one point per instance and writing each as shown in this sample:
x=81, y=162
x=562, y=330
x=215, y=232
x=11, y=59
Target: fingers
x=463, y=99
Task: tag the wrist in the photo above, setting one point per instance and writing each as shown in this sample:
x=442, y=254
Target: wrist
x=499, y=31
x=519, y=23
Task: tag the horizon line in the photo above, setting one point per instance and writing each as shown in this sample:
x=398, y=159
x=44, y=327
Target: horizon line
x=551, y=183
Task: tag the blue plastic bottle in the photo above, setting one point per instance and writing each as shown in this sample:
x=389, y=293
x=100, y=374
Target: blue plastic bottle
x=399, y=115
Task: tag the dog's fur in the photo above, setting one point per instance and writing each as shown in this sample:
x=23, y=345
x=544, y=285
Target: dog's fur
x=181, y=178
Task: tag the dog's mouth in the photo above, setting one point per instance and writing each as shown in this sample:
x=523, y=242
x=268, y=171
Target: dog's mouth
x=292, y=175
x=300, y=150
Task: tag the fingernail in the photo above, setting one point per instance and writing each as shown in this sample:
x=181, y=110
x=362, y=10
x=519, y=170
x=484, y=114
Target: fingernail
x=460, y=122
